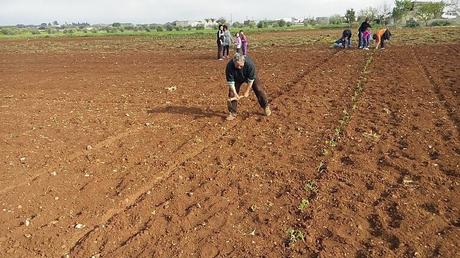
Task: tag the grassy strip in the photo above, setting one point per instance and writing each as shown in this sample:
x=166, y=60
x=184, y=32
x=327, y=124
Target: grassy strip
x=164, y=34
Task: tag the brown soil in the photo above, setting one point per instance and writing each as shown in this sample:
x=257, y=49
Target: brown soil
x=99, y=158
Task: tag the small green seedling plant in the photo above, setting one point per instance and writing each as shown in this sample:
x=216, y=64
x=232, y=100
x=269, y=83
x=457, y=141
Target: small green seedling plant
x=295, y=235
x=304, y=204
x=311, y=186
x=372, y=135
x=321, y=167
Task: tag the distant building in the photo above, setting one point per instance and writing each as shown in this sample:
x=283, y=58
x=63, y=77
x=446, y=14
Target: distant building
x=183, y=23
x=322, y=20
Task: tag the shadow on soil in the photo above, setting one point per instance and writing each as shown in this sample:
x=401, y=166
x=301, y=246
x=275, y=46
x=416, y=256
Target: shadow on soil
x=196, y=112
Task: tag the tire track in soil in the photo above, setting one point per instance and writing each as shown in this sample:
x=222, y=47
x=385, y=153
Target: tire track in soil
x=74, y=249
x=453, y=116
x=371, y=206
x=140, y=195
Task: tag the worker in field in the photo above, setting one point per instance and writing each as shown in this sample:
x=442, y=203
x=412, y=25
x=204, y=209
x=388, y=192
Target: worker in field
x=240, y=70
x=380, y=37
x=364, y=25
x=345, y=40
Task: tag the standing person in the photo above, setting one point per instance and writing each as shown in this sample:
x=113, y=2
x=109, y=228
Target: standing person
x=244, y=42
x=380, y=37
x=220, y=38
x=238, y=43
x=361, y=30
x=226, y=41
x=366, y=38
x=239, y=70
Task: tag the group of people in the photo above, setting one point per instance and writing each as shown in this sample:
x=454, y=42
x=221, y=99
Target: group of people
x=241, y=69
x=225, y=40
x=364, y=37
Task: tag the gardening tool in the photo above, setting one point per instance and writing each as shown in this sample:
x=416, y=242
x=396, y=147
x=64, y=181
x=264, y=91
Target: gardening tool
x=235, y=98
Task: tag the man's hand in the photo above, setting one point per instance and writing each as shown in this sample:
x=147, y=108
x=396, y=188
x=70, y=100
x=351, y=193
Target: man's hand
x=237, y=97
x=246, y=93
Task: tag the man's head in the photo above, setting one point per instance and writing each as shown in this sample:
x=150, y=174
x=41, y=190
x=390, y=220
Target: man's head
x=238, y=61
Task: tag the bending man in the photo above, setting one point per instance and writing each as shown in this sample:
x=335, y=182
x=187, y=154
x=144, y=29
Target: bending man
x=239, y=70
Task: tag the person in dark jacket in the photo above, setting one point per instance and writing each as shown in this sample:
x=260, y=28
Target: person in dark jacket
x=361, y=30
x=240, y=70
x=220, y=38
x=346, y=38
x=344, y=41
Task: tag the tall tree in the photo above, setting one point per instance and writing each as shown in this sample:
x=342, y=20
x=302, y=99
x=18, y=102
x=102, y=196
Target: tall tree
x=369, y=12
x=401, y=9
x=384, y=13
x=350, y=16
x=221, y=20
x=430, y=11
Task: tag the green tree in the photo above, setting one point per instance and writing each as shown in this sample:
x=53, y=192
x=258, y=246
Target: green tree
x=401, y=9
x=336, y=19
x=221, y=20
x=369, y=12
x=350, y=16
x=281, y=23
x=249, y=23
x=116, y=24
x=430, y=11
x=309, y=21
x=262, y=24
x=237, y=25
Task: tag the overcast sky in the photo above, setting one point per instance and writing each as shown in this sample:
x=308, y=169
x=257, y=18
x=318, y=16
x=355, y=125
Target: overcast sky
x=14, y=12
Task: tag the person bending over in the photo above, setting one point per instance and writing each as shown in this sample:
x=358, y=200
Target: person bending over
x=239, y=70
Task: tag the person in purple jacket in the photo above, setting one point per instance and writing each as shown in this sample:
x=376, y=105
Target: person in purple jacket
x=244, y=42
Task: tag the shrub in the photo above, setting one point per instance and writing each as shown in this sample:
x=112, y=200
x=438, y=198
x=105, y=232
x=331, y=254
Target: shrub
x=237, y=25
x=411, y=23
x=262, y=24
x=281, y=23
x=169, y=27
x=440, y=23
x=6, y=31
x=250, y=24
